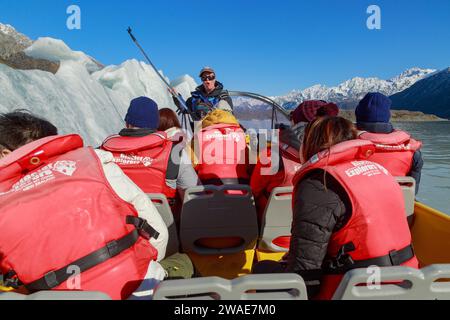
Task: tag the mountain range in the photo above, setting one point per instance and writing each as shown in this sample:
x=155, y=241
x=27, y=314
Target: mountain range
x=431, y=94
x=349, y=93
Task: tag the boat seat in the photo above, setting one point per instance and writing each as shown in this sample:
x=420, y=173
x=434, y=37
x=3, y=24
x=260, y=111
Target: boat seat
x=285, y=286
x=56, y=295
x=276, y=225
x=219, y=229
x=424, y=284
x=161, y=203
x=408, y=185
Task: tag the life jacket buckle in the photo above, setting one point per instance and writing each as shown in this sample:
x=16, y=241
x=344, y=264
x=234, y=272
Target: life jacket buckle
x=142, y=227
x=51, y=279
x=343, y=260
x=394, y=257
x=113, y=248
x=11, y=280
x=145, y=230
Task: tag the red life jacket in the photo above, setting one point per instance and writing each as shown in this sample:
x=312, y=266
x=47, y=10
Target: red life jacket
x=57, y=208
x=283, y=178
x=291, y=165
x=378, y=224
x=144, y=160
x=394, y=151
x=222, y=155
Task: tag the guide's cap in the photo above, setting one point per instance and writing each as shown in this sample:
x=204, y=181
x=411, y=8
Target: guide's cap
x=206, y=69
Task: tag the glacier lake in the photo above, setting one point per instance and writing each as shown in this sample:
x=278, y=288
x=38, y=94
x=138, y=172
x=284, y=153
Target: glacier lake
x=435, y=183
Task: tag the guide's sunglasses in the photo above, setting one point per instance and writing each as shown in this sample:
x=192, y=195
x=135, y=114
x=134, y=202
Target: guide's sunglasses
x=210, y=78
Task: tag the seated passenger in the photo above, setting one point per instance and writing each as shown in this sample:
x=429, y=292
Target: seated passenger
x=149, y=157
x=68, y=210
x=221, y=150
x=396, y=150
x=263, y=181
x=185, y=177
x=348, y=211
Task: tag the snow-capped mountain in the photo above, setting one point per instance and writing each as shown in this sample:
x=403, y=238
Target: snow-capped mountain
x=429, y=95
x=348, y=93
x=80, y=96
x=11, y=41
x=20, y=38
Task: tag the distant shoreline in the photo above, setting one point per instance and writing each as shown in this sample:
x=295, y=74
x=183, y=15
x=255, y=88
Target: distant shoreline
x=399, y=116
x=396, y=115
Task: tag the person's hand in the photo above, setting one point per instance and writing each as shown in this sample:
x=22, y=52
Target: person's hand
x=172, y=91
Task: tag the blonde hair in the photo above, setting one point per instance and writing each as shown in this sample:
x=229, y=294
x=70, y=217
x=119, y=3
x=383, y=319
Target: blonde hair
x=218, y=116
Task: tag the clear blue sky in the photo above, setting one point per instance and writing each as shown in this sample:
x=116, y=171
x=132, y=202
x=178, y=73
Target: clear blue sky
x=268, y=47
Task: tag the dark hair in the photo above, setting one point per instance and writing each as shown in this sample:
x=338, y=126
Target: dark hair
x=20, y=127
x=168, y=119
x=325, y=132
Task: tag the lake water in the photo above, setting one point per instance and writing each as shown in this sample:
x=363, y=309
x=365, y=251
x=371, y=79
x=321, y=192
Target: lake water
x=435, y=136
x=435, y=184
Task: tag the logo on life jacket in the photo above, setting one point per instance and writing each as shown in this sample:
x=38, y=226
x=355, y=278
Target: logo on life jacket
x=365, y=168
x=126, y=159
x=231, y=136
x=67, y=168
x=44, y=175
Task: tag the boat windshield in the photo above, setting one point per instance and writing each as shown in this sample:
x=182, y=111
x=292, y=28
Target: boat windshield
x=255, y=111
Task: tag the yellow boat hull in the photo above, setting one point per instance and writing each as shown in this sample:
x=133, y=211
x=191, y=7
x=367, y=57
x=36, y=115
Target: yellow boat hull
x=431, y=235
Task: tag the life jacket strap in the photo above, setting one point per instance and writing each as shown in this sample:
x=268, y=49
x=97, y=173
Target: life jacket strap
x=343, y=262
x=145, y=230
x=55, y=278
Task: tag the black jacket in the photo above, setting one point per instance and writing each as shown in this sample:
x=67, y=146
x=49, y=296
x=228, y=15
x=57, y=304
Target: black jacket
x=218, y=92
x=318, y=212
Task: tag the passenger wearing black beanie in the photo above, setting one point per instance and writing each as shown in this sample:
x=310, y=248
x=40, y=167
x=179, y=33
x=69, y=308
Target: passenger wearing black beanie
x=373, y=115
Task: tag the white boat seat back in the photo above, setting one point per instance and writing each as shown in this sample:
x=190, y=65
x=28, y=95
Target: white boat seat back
x=56, y=295
x=162, y=205
x=277, y=219
x=408, y=185
x=281, y=286
x=212, y=212
x=416, y=285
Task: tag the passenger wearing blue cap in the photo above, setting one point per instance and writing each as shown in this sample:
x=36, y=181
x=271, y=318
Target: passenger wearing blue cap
x=154, y=161
x=143, y=114
x=396, y=150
